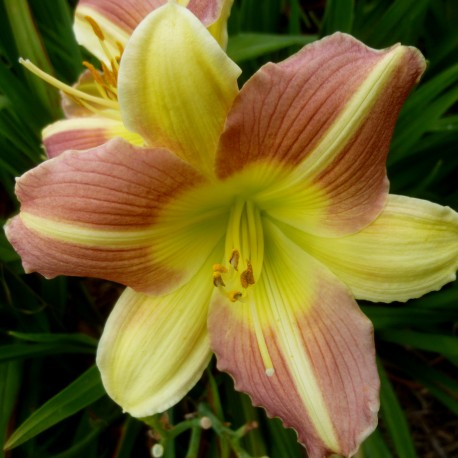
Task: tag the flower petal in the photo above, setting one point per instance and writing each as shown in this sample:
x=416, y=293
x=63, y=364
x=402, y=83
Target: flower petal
x=100, y=27
x=98, y=214
x=176, y=85
x=117, y=19
x=213, y=14
x=409, y=250
x=328, y=113
x=301, y=348
x=154, y=349
x=84, y=133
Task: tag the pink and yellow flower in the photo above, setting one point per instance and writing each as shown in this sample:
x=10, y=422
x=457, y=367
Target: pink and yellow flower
x=104, y=27
x=246, y=226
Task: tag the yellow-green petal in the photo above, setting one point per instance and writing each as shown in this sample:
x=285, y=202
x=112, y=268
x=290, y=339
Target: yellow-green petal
x=219, y=28
x=155, y=348
x=176, y=85
x=110, y=38
x=409, y=250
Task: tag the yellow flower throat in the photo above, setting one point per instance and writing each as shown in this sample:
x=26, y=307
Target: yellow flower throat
x=236, y=277
x=244, y=250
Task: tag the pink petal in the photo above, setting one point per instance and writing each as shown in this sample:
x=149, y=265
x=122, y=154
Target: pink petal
x=328, y=112
x=96, y=213
x=127, y=14
x=84, y=133
x=324, y=381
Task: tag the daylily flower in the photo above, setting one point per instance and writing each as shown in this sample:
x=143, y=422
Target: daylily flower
x=246, y=228
x=104, y=27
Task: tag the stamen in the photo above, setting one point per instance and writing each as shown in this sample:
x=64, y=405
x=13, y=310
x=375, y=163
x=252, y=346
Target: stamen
x=94, y=72
x=234, y=296
x=120, y=48
x=218, y=279
x=66, y=88
x=109, y=75
x=100, y=84
x=234, y=259
x=219, y=268
x=247, y=277
x=114, y=61
x=95, y=27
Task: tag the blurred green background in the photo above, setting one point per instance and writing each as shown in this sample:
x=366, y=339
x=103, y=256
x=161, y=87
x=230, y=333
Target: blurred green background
x=52, y=403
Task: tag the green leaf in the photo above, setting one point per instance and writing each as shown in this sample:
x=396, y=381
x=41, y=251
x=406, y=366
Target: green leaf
x=29, y=46
x=247, y=46
x=55, y=20
x=57, y=339
x=423, y=109
x=400, y=22
x=20, y=351
x=394, y=418
x=338, y=17
x=442, y=344
x=79, y=448
x=374, y=447
x=284, y=441
x=81, y=393
x=384, y=317
x=7, y=253
x=130, y=431
x=10, y=382
x=440, y=385
x=438, y=301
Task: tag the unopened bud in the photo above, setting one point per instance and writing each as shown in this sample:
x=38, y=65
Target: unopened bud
x=157, y=450
x=205, y=423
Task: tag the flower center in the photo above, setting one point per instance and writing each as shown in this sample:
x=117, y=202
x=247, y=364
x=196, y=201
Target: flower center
x=244, y=250
x=236, y=277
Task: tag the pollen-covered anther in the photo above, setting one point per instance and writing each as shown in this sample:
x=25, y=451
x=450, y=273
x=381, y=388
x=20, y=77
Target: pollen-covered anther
x=95, y=27
x=112, y=59
x=219, y=268
x=218, y=279
x=247, y=277
x=234, y=295
x=234, y=259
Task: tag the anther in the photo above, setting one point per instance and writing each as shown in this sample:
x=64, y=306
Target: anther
x=247, y=277
x=95, y=27
x=120, y=48
x=218, y=279
x=234, y=296
x=94, y=72
x=109, y=76
x=234, y=259
x=219, y=268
